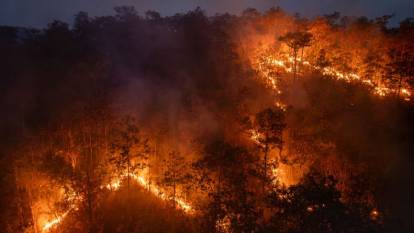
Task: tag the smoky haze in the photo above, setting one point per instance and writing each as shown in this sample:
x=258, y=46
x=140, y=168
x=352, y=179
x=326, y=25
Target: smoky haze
x=38, y=13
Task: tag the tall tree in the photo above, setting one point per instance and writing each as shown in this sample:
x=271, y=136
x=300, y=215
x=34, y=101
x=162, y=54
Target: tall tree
x=176, y=174
x=228, y=175
x=296, y=41
x=402, y=65
x=129, y=149
x=270, y=125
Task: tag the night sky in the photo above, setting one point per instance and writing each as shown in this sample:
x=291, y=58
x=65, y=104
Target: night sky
x=37, y=13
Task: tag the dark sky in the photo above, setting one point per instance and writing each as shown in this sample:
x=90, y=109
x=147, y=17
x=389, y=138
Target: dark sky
x=37, y=13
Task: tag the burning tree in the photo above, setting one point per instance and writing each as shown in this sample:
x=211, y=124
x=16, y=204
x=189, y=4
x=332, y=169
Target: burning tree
x=296, y=41
x=270, y=125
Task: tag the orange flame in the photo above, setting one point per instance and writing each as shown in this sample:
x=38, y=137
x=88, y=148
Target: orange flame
x=115, y=185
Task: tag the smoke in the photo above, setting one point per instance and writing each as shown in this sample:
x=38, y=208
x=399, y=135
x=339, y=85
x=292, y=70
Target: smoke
x=182, y=85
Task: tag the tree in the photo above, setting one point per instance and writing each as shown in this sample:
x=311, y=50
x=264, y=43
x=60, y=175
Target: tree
x=322, y=62
x=332, y=19
x=402, y=64
x=270, y=125
x=152, y=16
x=129, y=150
x=81, y=20
x=125, y=13
x=251, y=13
x=296, y=41
x=314, y=206
x=372, y=68
x=228, y=174
x=175, y=174
x=76, y=164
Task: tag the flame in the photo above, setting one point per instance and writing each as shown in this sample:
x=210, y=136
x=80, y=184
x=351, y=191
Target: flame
x=374, y=214
x=155, y=190
x=115, y=185
x=223, y=225
x=182, y=204
x=52, y=223
x=255, y=136
x=262, y=66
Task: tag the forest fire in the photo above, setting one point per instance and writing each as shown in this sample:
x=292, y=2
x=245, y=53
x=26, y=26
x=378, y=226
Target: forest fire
x=258, y=122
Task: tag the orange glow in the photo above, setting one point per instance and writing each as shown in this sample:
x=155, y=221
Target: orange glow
x=115, y=185
x=56, y=221
x=182, y=204
x=255, y=136
x=223, y=225
x=269, y=63
x=374, y=214
x=284, y=174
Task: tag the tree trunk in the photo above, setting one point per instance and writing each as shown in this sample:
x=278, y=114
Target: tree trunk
x=301, y=60
x=266, y=151
x=129, y=174
x=295, y=60
x=89, y=185
x=219, y=182
x=174, y=192
x=149, y=166
x=281, y=145
x=399, y=87
x=34, y=218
